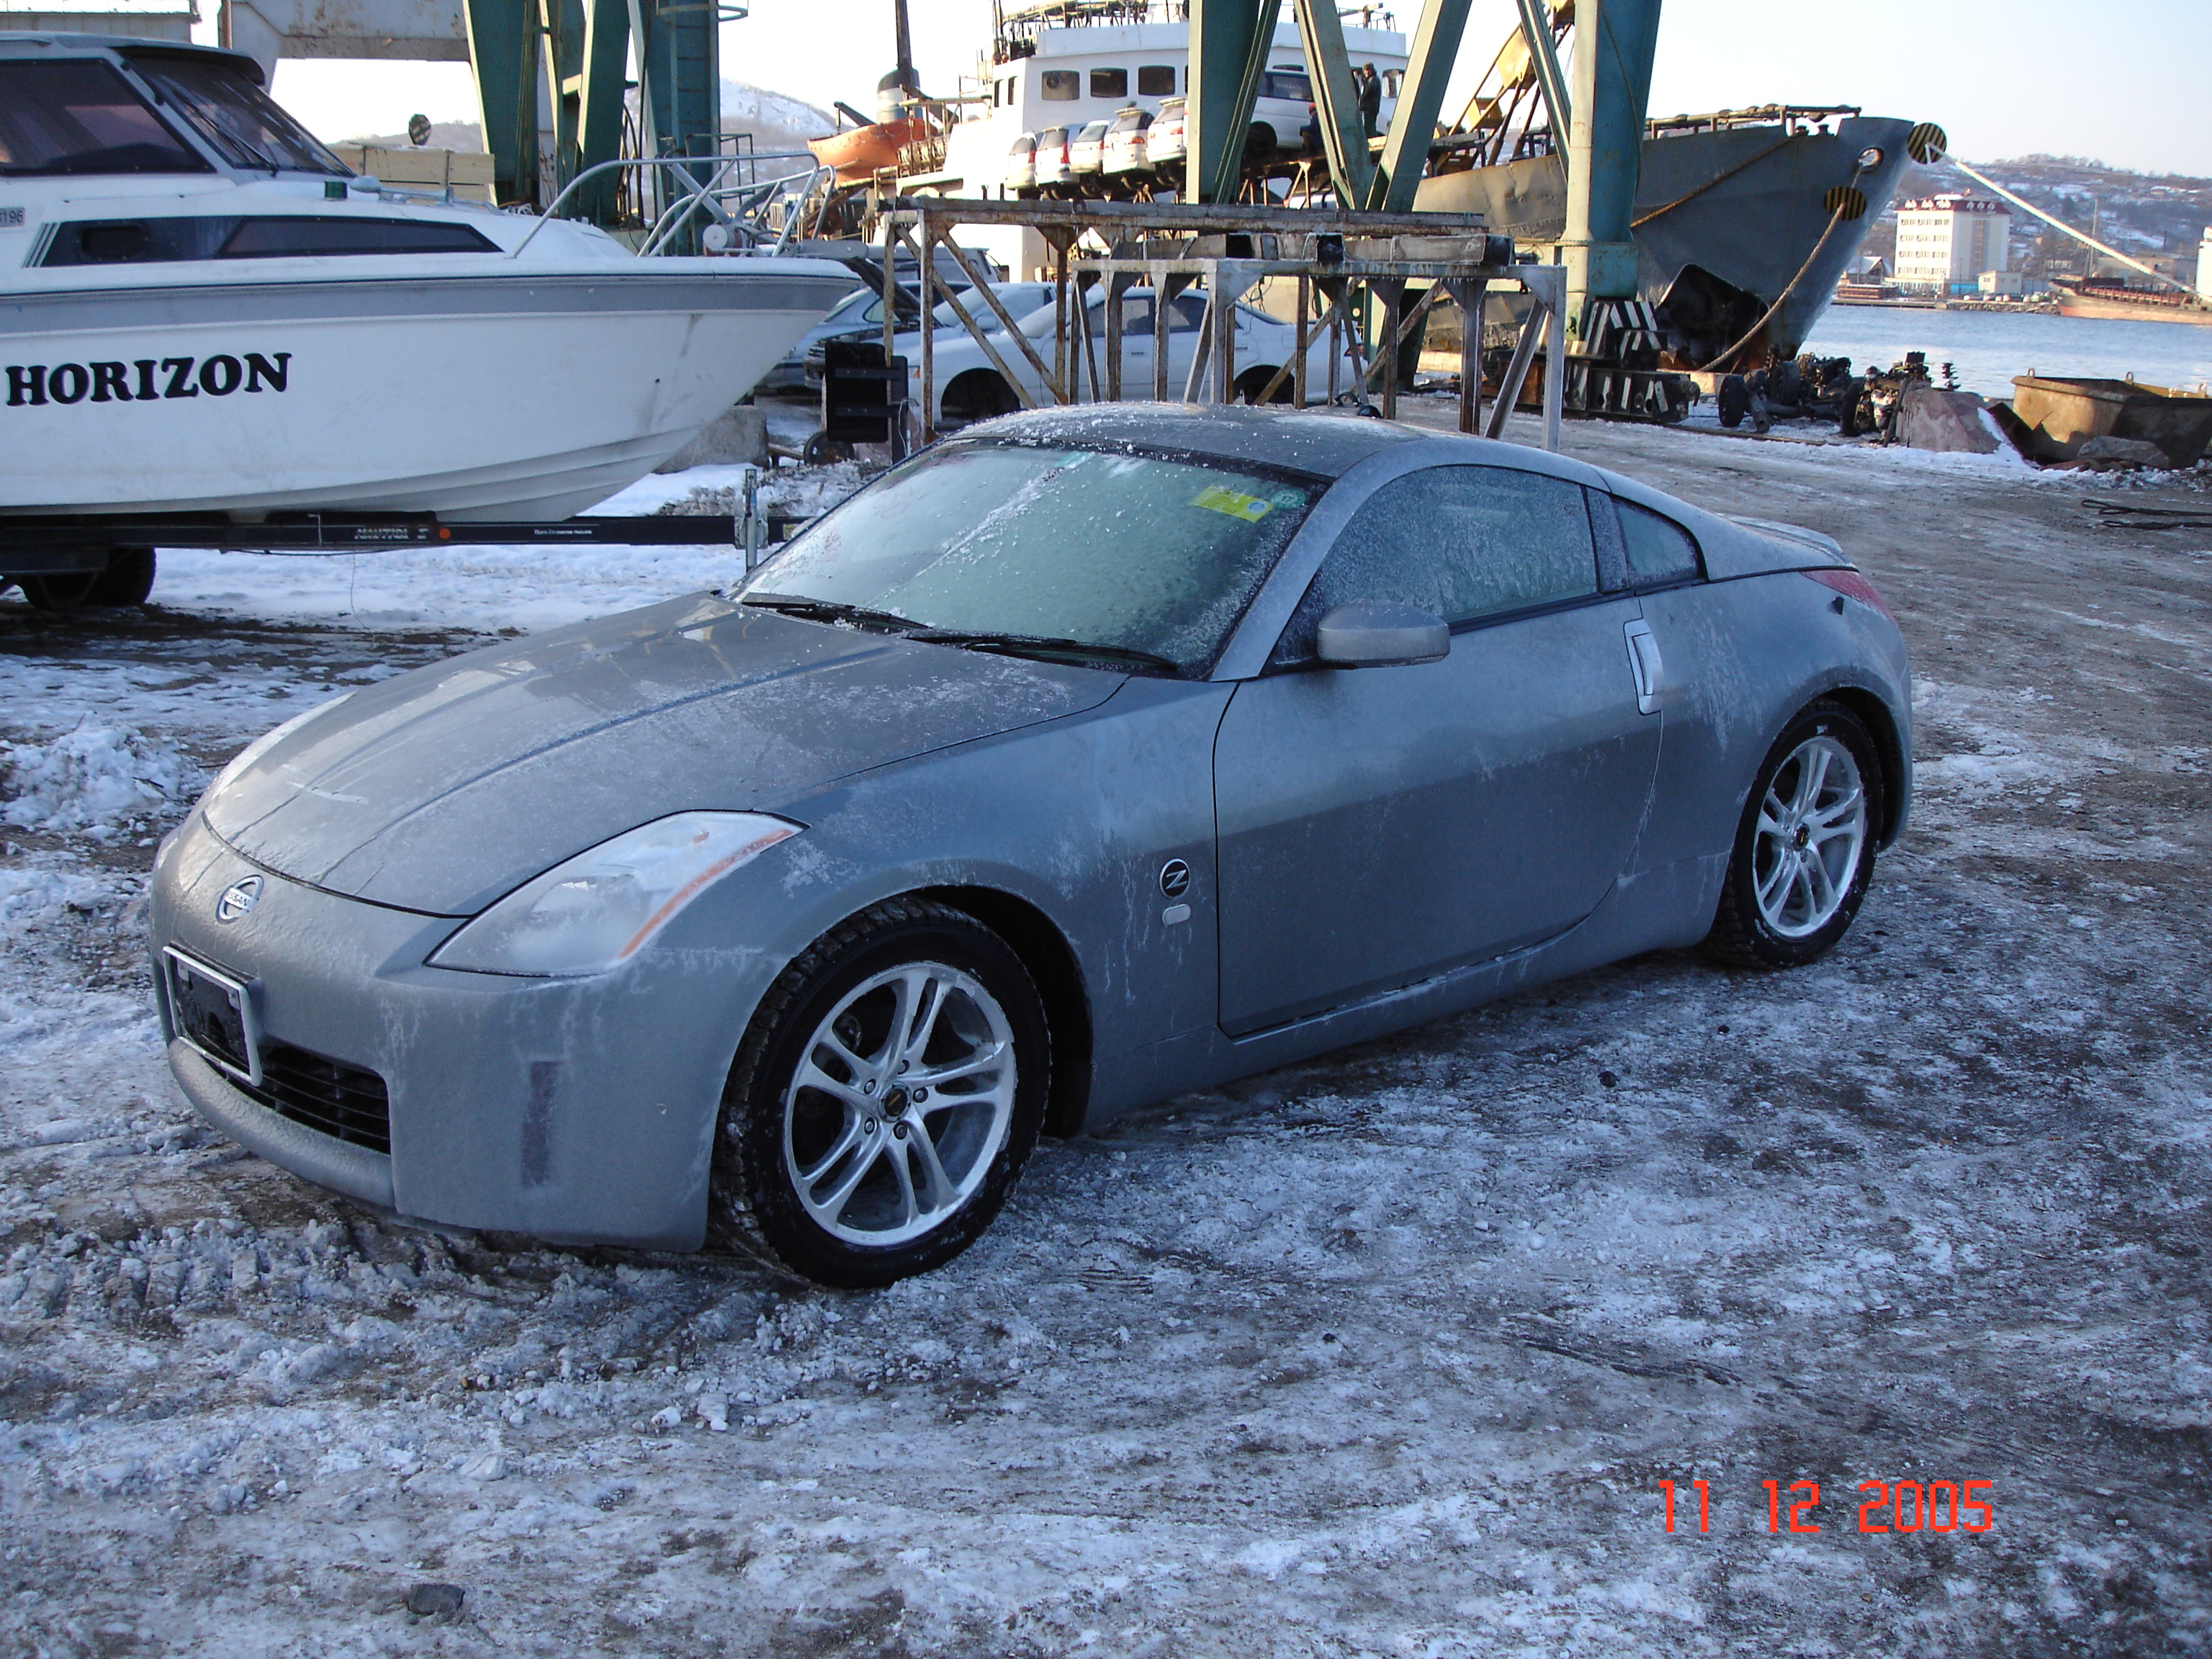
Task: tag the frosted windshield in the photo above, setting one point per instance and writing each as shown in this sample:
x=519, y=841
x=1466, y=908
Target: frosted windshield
x=1135, y=553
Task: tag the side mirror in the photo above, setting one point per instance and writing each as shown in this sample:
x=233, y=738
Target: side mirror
x=1380, y=634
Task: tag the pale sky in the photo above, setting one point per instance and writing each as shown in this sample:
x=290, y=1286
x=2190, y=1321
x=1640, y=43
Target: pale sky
x=2131, y=85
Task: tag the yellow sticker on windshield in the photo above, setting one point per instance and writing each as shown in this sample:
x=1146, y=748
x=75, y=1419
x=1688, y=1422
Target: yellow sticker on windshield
x=1215, y=499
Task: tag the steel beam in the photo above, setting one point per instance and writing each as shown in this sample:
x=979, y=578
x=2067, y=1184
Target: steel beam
x=605, y=79
x=1229, y=40
x=1421, y=100
x=1615, y=40
x=503, y=57
x=1336, y=105
x=563, y=27
x=1536, y=30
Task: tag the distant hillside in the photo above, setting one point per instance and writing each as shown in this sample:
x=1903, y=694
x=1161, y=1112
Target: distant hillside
x=466, y=136
x=776, y=120
x=2159, y=218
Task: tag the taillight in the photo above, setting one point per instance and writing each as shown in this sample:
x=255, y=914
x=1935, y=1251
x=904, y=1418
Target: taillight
x=1848, y=582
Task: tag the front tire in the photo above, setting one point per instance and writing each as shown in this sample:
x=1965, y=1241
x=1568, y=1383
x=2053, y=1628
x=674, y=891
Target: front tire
x=887, y=1092
x=1804, y=850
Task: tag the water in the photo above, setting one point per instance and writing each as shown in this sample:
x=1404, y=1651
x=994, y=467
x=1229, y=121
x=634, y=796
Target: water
x=1988, y=349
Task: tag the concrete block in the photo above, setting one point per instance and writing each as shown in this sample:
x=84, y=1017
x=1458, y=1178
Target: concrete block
x=1929, y=417
x=738, y=437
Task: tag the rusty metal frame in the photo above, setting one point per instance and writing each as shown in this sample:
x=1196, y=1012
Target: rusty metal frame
x=1170, y=248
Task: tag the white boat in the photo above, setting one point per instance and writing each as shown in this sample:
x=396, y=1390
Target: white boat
x=202, y=309
x=1063, y=65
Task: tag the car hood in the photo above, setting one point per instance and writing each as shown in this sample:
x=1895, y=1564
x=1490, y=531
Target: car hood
x=440, y=790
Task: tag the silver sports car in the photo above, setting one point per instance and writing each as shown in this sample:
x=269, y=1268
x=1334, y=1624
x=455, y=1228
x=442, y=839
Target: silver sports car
x=1091, y=757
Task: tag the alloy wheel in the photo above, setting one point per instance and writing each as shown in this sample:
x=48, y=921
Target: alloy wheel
x=900, y=1102
x=1812, y=827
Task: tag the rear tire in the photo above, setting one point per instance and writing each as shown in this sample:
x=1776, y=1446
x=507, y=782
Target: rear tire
x=977, y=394
x=1253, y=381
x=1804, y=850
x=830, y=1159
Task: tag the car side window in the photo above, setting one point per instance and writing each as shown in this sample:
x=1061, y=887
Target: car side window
x=1655, y=549
x=1463, y=543
x=1185, y=312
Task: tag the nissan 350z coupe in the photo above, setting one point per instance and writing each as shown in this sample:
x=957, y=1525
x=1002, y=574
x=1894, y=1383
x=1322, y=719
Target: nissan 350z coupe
x=1095, y=756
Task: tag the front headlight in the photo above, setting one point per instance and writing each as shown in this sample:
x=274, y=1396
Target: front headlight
x=603, y=907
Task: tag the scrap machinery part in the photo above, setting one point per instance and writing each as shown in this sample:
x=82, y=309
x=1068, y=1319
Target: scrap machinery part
x=1613, y=370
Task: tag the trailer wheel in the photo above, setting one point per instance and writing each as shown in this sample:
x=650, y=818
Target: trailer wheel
x=127, y=581
x=57, y=595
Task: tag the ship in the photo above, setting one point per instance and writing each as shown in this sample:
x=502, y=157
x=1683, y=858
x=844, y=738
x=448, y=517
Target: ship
x=2110, y=297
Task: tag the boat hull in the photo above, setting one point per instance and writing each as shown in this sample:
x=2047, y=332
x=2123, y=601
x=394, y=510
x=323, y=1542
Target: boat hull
x=1745, y=205
x=858, y=153
x=522, y=396
x=2149, y=309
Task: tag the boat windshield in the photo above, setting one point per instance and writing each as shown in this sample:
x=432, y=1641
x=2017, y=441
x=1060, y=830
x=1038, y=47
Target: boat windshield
x=244, y=124
x=76, y=115
x=1075, y=554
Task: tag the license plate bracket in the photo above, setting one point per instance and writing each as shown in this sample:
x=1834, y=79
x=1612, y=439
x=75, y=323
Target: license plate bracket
x=213, y=1012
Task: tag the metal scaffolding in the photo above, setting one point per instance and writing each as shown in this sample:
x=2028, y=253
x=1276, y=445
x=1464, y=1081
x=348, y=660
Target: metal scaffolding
x=1363, y=284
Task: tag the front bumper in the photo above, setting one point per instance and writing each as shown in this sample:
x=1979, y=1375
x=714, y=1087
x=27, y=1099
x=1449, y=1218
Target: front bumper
x=577, y=1110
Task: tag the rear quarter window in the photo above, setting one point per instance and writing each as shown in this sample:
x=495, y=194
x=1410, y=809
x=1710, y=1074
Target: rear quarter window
x=1655, y=548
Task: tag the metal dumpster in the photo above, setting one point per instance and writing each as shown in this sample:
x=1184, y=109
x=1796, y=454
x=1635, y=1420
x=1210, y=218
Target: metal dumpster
x=2064, y=414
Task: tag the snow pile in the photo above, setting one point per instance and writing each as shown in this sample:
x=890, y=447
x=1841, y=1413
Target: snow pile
x=30, y=897
x=97, y=781
x=804, y=493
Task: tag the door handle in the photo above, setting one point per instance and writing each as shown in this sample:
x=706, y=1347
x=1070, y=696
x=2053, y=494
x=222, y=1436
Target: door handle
x=1644, y=663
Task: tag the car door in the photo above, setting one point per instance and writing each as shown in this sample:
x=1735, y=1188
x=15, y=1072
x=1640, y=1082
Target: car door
x=1137, y=344
x=1379, y=826
x=1186, y=324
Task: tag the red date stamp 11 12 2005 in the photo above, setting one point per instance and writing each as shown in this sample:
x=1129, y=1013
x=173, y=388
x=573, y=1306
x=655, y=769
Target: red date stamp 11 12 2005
x=1893, y=1506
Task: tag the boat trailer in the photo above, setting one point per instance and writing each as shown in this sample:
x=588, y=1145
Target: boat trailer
x=77, y=548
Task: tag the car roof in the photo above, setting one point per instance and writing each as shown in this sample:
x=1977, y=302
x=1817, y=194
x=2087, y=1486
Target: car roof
x=1327, y=446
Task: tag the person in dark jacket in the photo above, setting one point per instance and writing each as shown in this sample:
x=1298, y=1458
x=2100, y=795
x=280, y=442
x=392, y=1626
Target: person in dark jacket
x=1370, y=99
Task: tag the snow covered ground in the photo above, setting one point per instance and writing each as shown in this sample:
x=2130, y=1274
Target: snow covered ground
x=1381, y=1354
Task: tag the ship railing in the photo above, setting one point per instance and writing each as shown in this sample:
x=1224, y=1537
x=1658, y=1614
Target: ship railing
x=714, y=193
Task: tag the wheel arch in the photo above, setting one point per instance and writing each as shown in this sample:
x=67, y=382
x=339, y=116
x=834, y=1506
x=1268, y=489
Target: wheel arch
x=1873, y=713
x=966, y=393
x=1045, y=952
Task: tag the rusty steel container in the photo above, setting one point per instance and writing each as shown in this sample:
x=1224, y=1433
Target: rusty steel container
x=2062, y=414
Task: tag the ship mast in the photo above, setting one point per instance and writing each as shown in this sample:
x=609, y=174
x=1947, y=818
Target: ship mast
x=903, y=75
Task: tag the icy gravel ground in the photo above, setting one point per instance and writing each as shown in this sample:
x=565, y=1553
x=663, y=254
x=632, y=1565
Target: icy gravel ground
x=1382, y=1354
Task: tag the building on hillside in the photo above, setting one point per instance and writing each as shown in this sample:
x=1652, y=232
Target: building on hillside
x=1944, y=243
x=2204, y=265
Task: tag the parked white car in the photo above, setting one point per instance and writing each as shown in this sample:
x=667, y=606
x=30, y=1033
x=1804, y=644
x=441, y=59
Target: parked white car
x=969, y=386
x=1126, y=149
x=1021, y=301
